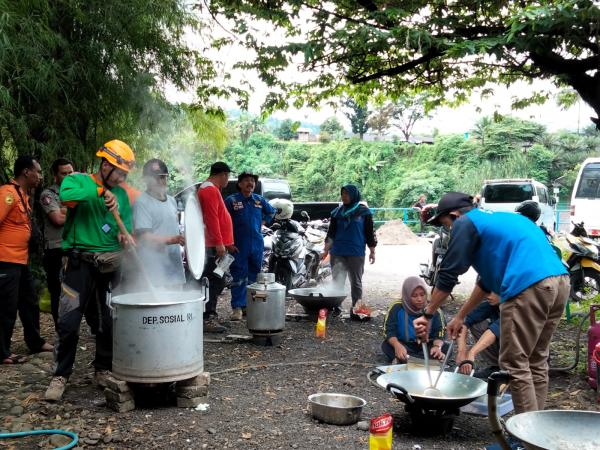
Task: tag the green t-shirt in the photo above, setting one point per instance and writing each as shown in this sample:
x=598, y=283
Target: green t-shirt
x=89, y=225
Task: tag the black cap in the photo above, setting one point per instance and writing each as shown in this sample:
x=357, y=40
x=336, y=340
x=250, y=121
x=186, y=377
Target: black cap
x=154, y=167
x=451, y=201
x=219, y=167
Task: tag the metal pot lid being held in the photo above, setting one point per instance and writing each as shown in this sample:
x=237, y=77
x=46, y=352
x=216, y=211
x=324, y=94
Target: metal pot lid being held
x=194, y=236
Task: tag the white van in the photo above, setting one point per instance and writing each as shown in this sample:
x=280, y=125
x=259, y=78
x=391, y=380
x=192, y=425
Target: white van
x=585, y=200
x=507, y=194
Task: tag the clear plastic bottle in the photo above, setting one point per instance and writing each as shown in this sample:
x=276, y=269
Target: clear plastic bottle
x=321, y=327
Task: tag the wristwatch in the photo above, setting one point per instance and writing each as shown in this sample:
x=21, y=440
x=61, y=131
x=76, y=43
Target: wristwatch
x=426, y=315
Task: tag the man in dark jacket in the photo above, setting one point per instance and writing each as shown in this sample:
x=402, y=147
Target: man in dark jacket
x=500, y=247
x=350, y=230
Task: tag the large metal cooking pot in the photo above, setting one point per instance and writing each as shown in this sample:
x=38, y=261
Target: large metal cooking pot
x=409, y=385
x=265, y=304
x=544, y=430
x=336, y=409
x=313, y=299
x=157, y=340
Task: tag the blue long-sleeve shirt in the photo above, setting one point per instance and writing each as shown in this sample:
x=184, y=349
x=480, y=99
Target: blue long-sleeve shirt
x=509, y=252
x=485, y=311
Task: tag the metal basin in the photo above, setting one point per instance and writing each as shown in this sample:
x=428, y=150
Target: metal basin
x=336, y=409
x=554, y=429
x=313, y=299
x=457, y=389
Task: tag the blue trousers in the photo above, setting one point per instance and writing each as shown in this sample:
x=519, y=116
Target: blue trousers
x=243, y=270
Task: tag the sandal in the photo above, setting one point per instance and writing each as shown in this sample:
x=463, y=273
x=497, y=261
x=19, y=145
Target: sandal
x=45, y=348
x=14, y=359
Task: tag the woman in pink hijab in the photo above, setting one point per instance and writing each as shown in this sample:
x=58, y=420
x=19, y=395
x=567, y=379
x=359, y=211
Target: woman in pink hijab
x=400, y=339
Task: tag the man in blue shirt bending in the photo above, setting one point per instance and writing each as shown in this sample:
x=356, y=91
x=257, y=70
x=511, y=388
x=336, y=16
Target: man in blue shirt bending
x=514, y=260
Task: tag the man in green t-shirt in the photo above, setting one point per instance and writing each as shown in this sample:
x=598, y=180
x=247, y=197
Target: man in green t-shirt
x=93, y=246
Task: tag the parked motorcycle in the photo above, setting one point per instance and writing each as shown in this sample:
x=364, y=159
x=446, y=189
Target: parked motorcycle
x=581, y=255
x=287, y=257
x=439, y=246
x=315, y=235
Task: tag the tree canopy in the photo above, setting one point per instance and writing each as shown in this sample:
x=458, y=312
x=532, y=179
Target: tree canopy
x=74, y=74
x=393, y=48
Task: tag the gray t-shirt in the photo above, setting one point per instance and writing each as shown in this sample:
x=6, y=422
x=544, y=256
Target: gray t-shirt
x=163, y=264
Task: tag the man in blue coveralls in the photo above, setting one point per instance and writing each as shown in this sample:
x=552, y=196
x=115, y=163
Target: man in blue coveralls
x=248, y=212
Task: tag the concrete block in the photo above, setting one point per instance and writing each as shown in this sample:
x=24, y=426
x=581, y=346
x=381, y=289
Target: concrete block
x=201, y=380
x=121, y=407
x=117, y=385
x=192, y=391
x=118, y=397
x=189, y=402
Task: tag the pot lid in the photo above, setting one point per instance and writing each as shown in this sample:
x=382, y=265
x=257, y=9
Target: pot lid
x=194, y=236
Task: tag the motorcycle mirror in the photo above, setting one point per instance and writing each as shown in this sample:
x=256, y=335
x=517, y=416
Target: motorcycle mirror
x=305, y=215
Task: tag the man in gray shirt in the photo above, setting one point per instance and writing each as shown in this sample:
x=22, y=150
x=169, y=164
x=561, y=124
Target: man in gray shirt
x=157, y=229
x=54, y=219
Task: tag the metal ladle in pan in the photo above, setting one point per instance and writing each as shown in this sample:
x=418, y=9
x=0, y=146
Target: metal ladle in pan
x=432, y=390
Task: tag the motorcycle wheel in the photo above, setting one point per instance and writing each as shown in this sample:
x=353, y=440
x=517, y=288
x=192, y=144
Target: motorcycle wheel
x=283, y=275
x=585, y=286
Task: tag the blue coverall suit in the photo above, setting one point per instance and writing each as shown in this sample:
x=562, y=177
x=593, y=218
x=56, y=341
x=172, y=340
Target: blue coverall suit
x=247, y=215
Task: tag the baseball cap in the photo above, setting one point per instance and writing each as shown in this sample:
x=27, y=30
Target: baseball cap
x=219, y=167
x=154, y=167
x=451, y=201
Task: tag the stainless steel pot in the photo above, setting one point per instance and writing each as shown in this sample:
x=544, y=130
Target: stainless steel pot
x=336, y=409
x=456, y=389
x=544, y=430
x=313, y=299
x=157, y=341
x=265, y=304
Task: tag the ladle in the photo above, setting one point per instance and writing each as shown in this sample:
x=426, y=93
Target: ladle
x=426, y=358
x=432, y=390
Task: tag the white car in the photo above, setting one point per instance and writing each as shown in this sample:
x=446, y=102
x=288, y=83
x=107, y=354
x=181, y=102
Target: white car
x=507, y=194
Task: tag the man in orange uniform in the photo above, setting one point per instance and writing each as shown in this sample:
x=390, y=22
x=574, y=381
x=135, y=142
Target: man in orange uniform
x=16, y=282
x=218, y=237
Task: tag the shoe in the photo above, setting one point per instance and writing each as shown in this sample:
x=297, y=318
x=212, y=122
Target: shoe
x=212, y=326
x=336, y=311
x=100, y=378
x=56, y=389
x=236, y=315
x=14, y=359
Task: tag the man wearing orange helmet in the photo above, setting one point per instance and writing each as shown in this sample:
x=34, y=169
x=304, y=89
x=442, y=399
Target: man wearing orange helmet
x=93, y=245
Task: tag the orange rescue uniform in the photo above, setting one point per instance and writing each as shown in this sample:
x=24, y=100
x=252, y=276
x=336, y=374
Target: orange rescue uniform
x=15, y=226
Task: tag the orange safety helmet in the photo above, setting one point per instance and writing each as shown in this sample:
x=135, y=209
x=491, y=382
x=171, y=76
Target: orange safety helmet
x=118, y=153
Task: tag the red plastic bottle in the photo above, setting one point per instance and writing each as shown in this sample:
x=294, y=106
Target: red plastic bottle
x=593, y=340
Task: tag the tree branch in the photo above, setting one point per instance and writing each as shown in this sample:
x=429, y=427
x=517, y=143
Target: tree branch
x=433, y=53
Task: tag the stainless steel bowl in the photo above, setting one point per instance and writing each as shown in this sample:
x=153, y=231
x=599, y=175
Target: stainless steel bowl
x=336, y=409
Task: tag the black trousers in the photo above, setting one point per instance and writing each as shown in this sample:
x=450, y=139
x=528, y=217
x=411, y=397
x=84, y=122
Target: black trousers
x=84, y=290
x=52, y=264
x=18, y=295
x=216, y=284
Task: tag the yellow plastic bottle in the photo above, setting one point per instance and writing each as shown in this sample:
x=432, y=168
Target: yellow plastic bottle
x=320, y=328
x=380, y=437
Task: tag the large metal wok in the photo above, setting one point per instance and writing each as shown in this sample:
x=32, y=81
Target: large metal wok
x=544, y=430
x=409, y=386
x=313, y=299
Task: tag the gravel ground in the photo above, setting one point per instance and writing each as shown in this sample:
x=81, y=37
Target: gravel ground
x=264, y=408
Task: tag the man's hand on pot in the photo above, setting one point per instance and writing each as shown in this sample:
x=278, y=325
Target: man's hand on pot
x=176, y=239
x=454, y=327
x=466, y=368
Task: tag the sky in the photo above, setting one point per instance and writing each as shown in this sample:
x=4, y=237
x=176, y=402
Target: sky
x=445, y=120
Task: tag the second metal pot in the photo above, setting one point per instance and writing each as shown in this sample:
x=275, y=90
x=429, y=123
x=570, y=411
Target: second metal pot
x=336, y=409
x=265, y=304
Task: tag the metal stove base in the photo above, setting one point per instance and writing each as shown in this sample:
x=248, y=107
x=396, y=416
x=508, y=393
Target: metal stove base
x=432, y=421
x=267, y=338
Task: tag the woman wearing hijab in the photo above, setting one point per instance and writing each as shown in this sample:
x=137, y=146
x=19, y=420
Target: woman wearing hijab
x=400, y=338
x=350, y=231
